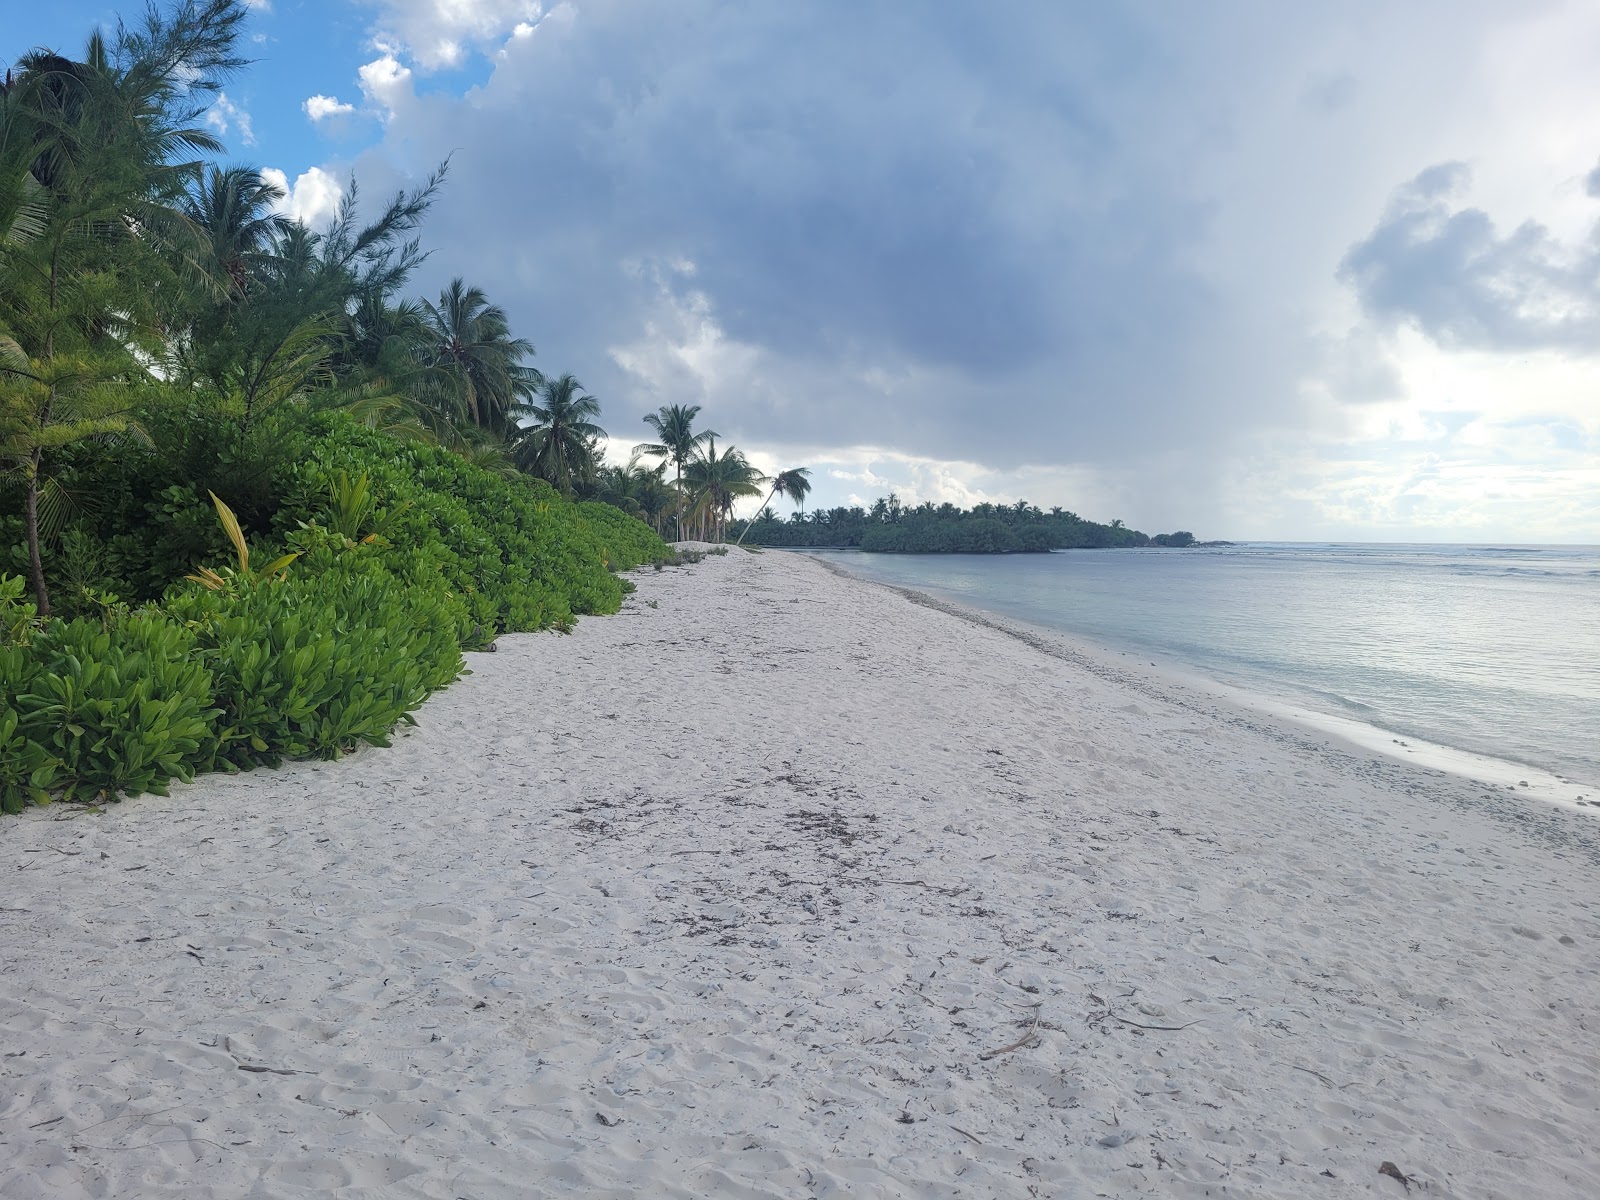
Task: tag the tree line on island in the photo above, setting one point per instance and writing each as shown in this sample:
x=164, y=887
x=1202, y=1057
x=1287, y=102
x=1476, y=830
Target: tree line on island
x=889, y=526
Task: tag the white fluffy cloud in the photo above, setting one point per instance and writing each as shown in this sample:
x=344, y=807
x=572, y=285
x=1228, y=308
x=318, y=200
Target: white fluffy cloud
x=313, y=198
x=386, y=82
x=320, y=108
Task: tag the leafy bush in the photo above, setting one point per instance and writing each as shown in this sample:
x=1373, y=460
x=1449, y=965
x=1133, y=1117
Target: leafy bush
x=256, y=671
x=521, y=556
x=402, y=554
x=95, y=709
x=312, y=665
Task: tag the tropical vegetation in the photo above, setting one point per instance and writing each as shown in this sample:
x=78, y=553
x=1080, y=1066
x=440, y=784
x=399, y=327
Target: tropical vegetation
x=888, y=526
x=255, y=501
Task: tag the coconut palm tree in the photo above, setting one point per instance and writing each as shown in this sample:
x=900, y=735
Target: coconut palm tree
x=716, y=481
x=562, y=446
x=794, y=483
x=478, y=360
x=638, y=490
x=676, y=443
x=236, y=208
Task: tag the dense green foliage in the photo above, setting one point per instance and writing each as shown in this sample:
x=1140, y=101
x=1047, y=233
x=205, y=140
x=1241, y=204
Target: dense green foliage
x=310, y=661
x=300, y=666
x=889, y=527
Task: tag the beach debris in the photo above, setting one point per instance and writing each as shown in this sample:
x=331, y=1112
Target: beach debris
x=1112, y=1140
x=1136, y=1025
x=1020, y=1042
x=608, y=1122
x=1394, y=1172
x=966, y=1135
x=265, y=1070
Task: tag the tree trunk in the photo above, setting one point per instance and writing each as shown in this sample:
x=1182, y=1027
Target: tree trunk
x=41, y=596
x=759, y=511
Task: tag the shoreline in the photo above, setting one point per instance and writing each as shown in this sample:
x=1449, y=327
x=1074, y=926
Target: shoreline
x=779, y=884
x=1526, y=779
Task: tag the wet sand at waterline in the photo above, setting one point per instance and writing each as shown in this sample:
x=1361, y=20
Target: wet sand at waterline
x=783, y=884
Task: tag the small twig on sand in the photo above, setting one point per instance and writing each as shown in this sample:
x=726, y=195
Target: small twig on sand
x=1018, y=1044
x=1136, y=1025
x=266, y=1070
x=190, y=1141
x=1309, y=1071
x=965, y=1134
x=922, y=883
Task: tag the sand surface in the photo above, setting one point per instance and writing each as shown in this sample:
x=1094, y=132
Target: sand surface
x=778, y=884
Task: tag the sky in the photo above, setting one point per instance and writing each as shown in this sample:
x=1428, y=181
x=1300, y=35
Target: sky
x=1258, y=271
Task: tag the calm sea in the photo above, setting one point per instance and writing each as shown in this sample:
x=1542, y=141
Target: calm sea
x=1493, y=650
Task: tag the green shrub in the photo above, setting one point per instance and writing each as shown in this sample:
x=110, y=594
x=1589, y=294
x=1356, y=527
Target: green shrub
x=27, y=769
x=407, y=554
x=118, y=707
x=312, y=665
x=518, y=555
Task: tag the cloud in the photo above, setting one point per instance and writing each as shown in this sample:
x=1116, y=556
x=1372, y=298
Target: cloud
x=439, y=35
x=949, y=224
x=225, y=116
x=386, y=82
x=313, y=198
x=1449, y=271
x=320, y=107
x=1066, y=253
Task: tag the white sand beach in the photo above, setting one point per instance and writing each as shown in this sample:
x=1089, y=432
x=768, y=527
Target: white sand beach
x=780, y=884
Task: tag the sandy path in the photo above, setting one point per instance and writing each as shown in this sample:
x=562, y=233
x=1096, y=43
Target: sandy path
x=735, y=894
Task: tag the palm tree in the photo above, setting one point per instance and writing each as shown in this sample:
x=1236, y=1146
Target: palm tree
x=479, y=360
x=794, y=483
x=715, y=482
x=235, y=207
x=562, y=447
x=676, y=443
x=638, y=490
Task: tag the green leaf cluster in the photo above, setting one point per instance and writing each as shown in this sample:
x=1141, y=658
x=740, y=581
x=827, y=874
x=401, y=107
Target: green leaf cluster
x=309, y=667
x=94, y=709
x=226, y=678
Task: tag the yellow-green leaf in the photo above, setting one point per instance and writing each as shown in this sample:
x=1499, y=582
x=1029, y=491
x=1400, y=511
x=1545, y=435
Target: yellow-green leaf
x=230, y=526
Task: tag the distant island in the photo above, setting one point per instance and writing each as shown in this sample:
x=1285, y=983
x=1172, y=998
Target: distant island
x=889, y=527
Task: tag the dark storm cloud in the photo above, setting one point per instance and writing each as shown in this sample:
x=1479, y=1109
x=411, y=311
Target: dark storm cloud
x=994, y=202
x=1451, y=273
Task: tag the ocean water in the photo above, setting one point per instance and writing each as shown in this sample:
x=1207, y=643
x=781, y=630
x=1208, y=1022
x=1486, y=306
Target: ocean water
x=1491, y=650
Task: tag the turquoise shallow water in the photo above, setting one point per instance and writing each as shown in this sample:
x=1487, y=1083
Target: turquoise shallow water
x=1494, y=650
